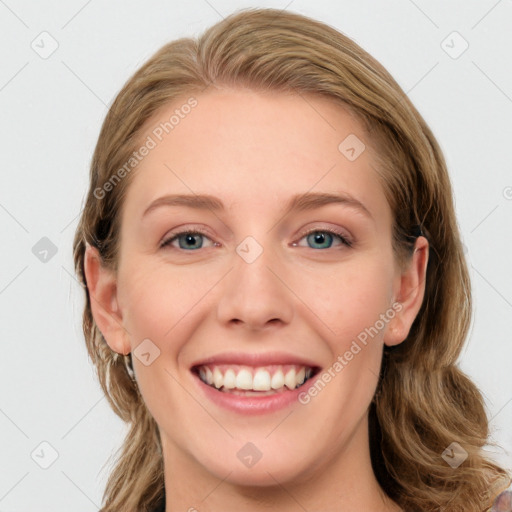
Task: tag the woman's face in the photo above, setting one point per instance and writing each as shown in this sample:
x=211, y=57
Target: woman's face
x=293, y=269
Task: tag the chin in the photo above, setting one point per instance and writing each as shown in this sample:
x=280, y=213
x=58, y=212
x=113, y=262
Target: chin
x=269, y=472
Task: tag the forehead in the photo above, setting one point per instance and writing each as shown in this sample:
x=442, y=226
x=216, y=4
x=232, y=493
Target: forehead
x=249, y=146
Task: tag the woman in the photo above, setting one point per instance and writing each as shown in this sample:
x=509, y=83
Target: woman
x=276, y=292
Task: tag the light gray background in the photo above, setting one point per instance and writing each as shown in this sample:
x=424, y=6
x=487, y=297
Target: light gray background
x=51, y=112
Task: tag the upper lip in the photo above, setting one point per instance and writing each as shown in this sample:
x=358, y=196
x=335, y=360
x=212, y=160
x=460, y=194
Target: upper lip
x=261, y=359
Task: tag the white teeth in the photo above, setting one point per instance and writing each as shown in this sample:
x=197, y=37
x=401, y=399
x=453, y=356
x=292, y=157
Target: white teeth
x=255, y=379
x=277, y=380
x=230, y=379
x=218, y=379
x=261, y=381
x=301, y=376
x=289, y=379
x=244, y=379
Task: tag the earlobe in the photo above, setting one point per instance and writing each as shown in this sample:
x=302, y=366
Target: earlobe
x=102, y=287
x=410, y=293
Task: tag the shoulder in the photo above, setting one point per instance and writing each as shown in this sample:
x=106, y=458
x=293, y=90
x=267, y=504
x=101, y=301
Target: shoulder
x=503, y=502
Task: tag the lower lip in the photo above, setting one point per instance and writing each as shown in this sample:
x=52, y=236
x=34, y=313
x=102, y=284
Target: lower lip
x=253, y=404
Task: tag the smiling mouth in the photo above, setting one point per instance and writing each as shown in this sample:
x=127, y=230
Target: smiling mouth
x=250, y=380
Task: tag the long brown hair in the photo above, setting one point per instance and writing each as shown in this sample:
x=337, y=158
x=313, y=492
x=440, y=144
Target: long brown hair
x=424, y=402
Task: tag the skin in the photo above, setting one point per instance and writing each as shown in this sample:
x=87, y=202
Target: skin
x=504, y=502
x=311, y=299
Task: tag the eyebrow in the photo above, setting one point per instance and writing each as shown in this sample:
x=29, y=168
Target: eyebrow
x=299, y=202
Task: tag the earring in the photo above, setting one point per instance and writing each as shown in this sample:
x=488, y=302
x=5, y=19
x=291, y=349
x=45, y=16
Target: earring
x=129, y=366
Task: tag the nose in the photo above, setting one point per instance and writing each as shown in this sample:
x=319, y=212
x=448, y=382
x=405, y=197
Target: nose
x=255, y=295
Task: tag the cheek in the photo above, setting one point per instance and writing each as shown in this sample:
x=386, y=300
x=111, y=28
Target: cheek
x=158, y=300
x=164, y=305
x=351, y=299
x=356, y=306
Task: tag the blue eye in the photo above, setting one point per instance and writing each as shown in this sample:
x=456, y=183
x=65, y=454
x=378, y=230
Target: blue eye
x=193, y=239
x=324, y=237
x=187, y=240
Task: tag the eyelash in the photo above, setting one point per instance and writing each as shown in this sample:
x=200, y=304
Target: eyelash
x=196, y=231
x=344, y=240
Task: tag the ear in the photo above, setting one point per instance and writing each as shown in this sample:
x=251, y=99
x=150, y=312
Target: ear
x=102, y=286
x=410, y=291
